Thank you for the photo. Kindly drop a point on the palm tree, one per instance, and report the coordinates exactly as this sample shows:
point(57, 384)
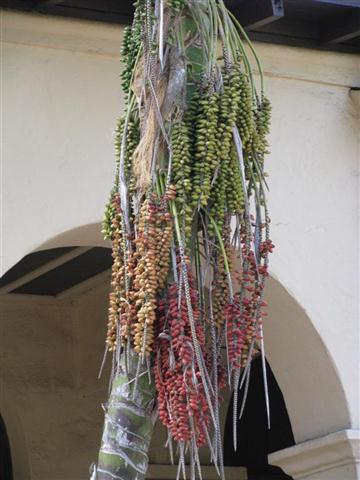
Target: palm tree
point(190, 156)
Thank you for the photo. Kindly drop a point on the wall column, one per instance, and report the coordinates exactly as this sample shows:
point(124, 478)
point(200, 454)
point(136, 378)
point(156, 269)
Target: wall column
point(333, 457)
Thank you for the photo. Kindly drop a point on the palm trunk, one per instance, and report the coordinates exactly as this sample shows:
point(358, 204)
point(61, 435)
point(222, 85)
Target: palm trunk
point(130, 416)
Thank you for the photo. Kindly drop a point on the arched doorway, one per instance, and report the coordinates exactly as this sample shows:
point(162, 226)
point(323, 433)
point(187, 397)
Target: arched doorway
point(257, 435)
point(6, 471)
point(298, 357)
point(53, 323)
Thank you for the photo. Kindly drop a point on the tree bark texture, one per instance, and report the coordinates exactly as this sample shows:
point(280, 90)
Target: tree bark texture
point(130, 417)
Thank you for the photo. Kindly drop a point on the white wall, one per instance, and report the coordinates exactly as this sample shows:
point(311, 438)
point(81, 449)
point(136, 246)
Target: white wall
point(314, 169)
point(61, 96)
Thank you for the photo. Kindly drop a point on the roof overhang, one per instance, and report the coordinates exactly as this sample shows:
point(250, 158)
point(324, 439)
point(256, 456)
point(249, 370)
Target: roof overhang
point(317, 24)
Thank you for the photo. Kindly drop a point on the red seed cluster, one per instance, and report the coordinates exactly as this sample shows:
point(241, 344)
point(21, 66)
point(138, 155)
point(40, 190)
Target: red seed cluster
point(244, 313)
point(183, 408)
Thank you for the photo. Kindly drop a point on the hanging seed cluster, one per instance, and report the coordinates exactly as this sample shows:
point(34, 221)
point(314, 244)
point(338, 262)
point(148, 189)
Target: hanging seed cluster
point(220, 284)
point(205, 149)
point(181, 163)
point(183, 408)
point(245, 119)
point(244, 315)
point(116, 273)
point(177, 294)
point(132, 140)
point(121, 312)
point(139, 273)
point(113, 204)
point(177, 5)
point(262, 124)
point(154, 235)
point(228, 195)
point(131, 46)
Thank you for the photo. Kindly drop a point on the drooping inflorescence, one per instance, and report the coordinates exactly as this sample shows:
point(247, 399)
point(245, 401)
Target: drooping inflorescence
point(187, 214)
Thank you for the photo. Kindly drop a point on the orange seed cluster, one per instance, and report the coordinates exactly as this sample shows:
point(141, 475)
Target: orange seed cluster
point(152, 243)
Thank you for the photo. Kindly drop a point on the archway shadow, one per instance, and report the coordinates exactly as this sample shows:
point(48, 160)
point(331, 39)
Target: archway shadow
point(6, 472)
point(257, 435)
point(15, 460)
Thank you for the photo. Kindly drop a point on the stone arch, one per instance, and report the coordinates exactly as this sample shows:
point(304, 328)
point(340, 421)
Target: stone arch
point(87, 234)
point(303, 367)
point(83, 235)
point(300, 360)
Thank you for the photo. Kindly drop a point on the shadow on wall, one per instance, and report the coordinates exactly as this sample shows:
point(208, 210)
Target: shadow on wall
point(14, 461)
point(5, 457)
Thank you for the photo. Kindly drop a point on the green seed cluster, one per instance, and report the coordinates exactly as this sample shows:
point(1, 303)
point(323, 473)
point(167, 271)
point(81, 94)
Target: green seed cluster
point(130, 47)
point(132, 140)
point(109, 214)
point(220, 286)
point(191, 115)
point(110, 210)
point(234, 189)
point(176, 5)
point(257, 147)
point(262, 123)
point(127, 59)
point(235, 192)
point(206, 149)
point(227, 194)
point(263, 117)
point(181, 163)
point(245, 121)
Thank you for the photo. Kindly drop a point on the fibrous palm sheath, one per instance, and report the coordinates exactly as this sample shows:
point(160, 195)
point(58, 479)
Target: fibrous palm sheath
point(189, 227)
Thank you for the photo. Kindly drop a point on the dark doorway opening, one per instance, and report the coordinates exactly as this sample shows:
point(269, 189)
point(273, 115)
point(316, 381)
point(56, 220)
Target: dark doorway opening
point(254, 440)
point(6, 472)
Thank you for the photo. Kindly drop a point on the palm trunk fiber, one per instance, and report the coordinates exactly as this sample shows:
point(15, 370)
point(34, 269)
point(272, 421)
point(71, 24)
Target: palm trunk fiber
point(130, 416)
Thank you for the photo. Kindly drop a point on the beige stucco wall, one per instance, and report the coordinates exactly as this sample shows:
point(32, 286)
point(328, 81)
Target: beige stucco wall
point(49, 366)
point(61, 95)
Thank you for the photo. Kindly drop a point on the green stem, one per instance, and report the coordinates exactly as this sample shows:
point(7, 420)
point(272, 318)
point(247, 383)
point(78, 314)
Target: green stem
point(241, 29)
point(236, 44)
point(223, 251)
point(198, 273)
point(176, 221)
point(129, 422)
